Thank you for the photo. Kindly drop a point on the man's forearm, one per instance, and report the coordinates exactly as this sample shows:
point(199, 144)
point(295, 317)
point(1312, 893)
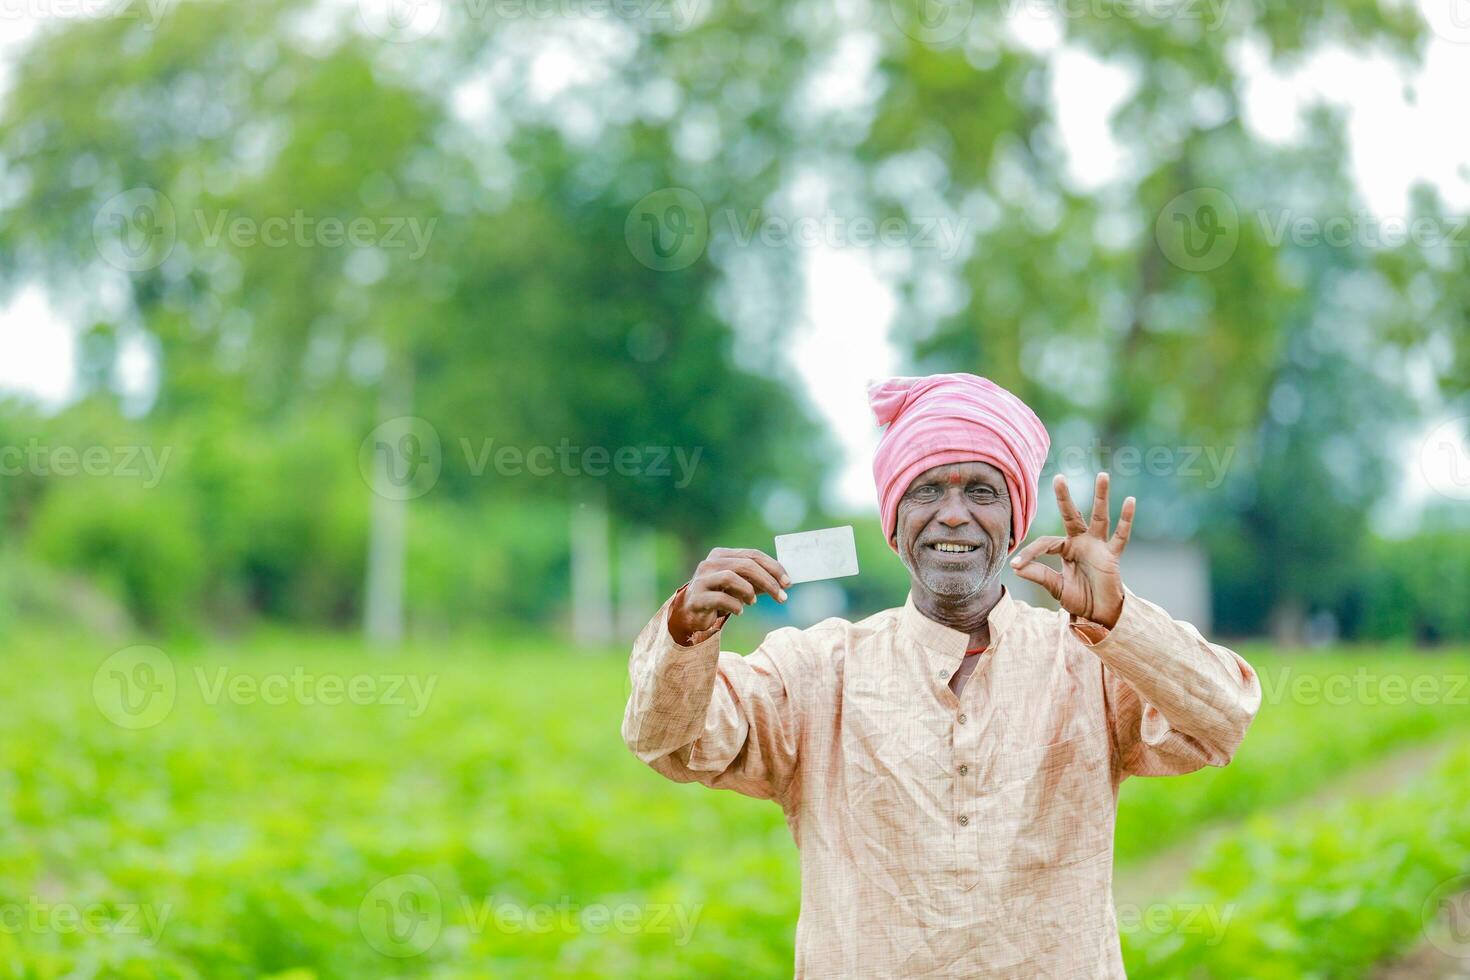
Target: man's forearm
point(1202, 690)
point(672, 686)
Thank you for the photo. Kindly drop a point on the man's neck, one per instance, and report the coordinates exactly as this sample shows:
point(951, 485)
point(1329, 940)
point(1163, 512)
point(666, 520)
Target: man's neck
point(970, 615)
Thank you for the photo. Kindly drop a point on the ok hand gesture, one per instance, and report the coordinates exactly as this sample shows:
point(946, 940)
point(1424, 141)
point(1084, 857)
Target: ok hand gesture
point(1088, 585)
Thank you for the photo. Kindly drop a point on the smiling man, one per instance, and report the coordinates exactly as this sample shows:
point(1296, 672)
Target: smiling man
point(950, 768)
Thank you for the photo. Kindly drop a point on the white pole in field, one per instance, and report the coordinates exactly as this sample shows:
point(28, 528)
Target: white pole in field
point(592, 612)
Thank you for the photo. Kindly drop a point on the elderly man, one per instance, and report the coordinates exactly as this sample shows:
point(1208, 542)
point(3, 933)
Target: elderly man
point(949, 769)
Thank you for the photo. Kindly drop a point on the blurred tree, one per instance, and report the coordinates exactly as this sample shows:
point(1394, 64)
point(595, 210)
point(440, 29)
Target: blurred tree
point(195, 187)
point(1175, 305)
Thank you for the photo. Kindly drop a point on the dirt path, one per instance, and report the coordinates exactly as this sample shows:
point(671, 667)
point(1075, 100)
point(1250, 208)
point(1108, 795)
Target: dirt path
point(1425, 962)
point(1166, 872)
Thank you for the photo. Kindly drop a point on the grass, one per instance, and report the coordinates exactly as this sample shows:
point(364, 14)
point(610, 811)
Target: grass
point(474, 813)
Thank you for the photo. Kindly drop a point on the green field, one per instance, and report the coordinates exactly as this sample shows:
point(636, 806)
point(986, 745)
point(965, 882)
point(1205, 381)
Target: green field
point(299, 807)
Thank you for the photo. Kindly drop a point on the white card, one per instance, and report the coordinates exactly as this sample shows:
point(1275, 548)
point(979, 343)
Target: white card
point(811, 555)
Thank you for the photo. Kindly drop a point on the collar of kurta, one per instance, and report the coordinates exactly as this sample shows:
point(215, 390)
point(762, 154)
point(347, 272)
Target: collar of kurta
point(952, 643)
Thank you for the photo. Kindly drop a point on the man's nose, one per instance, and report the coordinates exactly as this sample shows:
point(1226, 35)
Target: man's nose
point(952, 512)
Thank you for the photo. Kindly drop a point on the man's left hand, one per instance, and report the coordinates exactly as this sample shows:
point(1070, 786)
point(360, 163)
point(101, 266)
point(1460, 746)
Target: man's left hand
point(1088, 586)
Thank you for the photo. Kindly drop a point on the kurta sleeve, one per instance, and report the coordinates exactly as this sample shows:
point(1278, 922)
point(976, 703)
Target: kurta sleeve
point(697, 714)
point(1175, 702)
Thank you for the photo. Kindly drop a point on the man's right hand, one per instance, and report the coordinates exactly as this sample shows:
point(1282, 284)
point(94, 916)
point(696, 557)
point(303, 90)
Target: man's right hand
point(724, 584)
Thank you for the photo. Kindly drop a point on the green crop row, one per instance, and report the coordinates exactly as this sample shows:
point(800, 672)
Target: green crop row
point(243, 834)
point(1322, 716)
point(1329, 895)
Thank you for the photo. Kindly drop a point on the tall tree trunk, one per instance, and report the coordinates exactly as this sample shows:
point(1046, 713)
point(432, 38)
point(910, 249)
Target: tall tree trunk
point(592, 612)
point(387, 537)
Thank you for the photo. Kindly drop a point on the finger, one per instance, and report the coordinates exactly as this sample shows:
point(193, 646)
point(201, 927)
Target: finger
point(755, 573)
point(1071, 520)
point(1043, 575)
point(1100, 506)
point(773, 567)
point(706, 607)
point(1124, 528)
point(1047, 544)
point(732, 583)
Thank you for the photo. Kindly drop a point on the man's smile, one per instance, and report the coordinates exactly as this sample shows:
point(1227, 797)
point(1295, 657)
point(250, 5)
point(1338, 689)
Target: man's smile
point(952, 547)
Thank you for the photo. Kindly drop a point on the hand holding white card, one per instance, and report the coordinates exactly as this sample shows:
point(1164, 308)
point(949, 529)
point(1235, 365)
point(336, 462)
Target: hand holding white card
point(811, 555)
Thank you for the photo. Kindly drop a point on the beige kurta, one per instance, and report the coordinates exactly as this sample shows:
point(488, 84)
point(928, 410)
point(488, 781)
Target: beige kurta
point(939, 835)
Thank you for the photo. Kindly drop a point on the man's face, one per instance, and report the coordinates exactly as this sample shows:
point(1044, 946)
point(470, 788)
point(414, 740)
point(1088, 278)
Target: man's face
point(954, 529)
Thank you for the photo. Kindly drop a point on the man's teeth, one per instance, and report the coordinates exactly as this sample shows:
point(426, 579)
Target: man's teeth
point(958, 548)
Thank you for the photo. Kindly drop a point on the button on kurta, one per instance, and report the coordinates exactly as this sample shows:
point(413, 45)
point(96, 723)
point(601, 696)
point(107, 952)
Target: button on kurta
point(963, 718)
point(964, 770)
point(964, 820)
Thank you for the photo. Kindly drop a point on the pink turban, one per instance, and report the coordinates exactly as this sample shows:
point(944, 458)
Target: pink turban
point(955, 418)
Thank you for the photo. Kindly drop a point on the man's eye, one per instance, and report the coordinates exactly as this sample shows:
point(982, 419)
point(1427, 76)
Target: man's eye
point(983, 493)
point(928, 492)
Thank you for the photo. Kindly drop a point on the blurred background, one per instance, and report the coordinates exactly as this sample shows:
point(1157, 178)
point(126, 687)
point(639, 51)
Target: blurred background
point(370, 371)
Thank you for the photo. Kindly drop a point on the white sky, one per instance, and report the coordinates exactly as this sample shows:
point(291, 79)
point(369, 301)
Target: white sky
point(848, 309)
